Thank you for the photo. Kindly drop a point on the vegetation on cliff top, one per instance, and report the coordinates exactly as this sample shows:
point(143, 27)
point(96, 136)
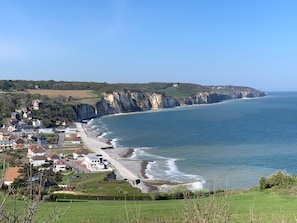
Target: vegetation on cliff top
point(58, 97)
point(99, 88)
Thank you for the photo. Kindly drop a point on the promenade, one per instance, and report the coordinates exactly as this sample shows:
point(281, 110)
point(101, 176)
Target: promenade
point(125, 169)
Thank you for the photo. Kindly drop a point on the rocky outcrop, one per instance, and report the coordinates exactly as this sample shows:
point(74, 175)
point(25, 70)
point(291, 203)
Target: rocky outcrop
point(132, 101)
point(84, 111)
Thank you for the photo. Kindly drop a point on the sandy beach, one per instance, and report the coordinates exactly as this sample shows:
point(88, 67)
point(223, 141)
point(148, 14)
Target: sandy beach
point(125, 168)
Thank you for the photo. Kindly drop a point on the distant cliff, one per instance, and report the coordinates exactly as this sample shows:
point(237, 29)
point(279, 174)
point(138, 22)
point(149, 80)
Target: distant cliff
point(124, 101)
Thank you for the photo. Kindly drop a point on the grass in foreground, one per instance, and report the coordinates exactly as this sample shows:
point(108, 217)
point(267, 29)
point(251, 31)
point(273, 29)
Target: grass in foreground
point(252, 206)
point(247, 206)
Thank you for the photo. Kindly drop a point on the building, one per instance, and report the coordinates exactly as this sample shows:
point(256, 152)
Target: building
point(15, 116)
point(37, 123)
point(28, 130)
point(37, 160)
point(19, 144)
point(59, 166)
point(42, 141)
point(96, 163)
point(71, 130)
point(37, 104)
point(11, 174)
point(80, 153)
point(53, 157)
point(34, 150)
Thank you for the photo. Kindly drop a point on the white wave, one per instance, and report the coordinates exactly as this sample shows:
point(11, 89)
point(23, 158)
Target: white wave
point(103, 135)
point(115, 142)
point(198, 185)
point(164, 168)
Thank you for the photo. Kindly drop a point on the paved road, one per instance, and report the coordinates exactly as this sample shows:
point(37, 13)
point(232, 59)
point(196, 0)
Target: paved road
point(61, 140)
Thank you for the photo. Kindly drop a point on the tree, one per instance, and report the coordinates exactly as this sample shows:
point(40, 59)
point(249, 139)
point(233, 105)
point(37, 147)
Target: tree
point(26, 206)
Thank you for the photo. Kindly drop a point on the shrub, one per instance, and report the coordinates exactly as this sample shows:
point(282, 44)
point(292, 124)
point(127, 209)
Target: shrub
point(279, 179)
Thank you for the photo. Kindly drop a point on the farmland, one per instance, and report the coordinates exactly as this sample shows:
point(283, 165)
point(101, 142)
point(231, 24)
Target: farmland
point(66, 93)
point(78, 96)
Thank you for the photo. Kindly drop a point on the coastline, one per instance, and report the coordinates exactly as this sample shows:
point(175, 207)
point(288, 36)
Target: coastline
point(125, 168)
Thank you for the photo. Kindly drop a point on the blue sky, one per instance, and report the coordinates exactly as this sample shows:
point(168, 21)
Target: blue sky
point(210, 42)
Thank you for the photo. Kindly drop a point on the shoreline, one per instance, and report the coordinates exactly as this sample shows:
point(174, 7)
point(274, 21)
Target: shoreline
point(125, 168)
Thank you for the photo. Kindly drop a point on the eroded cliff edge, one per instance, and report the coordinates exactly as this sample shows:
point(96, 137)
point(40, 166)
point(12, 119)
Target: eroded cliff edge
point(126, 100)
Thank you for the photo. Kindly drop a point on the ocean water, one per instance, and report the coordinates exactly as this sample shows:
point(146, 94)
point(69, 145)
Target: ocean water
point(228, 145)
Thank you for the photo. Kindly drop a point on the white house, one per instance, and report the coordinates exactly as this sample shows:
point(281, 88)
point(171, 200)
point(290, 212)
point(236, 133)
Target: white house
point(59, 166)
point(37, 123)
point(96, 162)
point(6, 144)
point(34, 150)
point(46, 130)
point(53, 157)
point(71, 130)
point(80, 153)
point(28, 131)
point(37, 104)
point(38, 160)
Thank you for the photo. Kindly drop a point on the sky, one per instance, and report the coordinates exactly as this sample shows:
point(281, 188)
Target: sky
point(210, 42)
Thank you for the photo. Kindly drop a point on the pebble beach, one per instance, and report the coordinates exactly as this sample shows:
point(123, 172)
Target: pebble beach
point(126, 169)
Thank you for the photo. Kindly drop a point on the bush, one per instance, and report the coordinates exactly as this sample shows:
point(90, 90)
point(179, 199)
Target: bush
point(279, 179)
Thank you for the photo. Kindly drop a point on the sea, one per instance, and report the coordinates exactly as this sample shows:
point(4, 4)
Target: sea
point(227, 145)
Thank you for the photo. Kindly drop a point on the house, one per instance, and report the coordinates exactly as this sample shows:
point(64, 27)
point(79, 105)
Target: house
point(80, 153)
point(6, 139)
point(42, 141)
point(60, 122)
point(37, 160)
point(59, 166)
point(27, 115)
point(37, 104)
point(71, 130)
point(19, 144)
point(6, 144)
point(96, 162)
point(75, 139)
point(34, 150)
point(28, 130)
point(46, 130)
point(53, 157)
point(4, 134)
point(11, 174)
point(60, 129)
point(15, 116)
point(37, 123)
point(11, 129)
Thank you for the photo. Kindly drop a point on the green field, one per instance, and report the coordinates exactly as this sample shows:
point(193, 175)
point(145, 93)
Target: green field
point(249, 206)
point(275, 202)
point(264, 206)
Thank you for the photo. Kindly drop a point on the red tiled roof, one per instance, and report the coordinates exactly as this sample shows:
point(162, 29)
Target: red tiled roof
point(36, 149)
point(38, 157)
point(19, 141)
point(12, 173)
point(81, 151)
point(53, 156)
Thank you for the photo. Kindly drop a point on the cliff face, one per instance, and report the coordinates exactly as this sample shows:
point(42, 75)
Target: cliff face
point(132, 101)
point(84, 111)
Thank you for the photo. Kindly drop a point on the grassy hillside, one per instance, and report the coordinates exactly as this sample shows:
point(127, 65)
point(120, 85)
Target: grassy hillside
point(245, 206)
point(96, 184)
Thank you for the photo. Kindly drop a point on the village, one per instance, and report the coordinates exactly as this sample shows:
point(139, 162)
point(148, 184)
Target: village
point(61, 146)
